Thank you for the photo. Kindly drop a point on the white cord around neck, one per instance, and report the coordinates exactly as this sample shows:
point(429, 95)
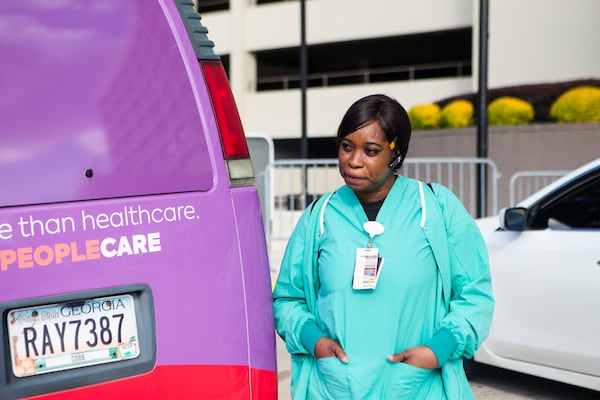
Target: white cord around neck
point(322, 214)
point(423, 207)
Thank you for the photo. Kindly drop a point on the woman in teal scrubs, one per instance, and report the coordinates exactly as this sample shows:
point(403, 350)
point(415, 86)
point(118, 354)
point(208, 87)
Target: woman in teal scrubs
point(384, 286)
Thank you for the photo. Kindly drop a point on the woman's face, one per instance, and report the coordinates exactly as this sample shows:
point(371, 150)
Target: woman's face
point(364, 158)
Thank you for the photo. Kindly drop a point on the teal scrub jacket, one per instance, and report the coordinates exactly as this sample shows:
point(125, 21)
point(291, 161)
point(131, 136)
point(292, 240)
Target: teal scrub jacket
point(463, 270)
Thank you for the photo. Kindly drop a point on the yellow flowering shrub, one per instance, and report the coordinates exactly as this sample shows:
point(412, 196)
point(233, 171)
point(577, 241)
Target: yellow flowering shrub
point(458, 114)
point(425, 116)
point(580, 104)
point(508, 110)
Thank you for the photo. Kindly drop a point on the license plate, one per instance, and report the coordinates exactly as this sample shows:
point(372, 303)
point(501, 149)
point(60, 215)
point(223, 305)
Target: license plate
point(58, 337)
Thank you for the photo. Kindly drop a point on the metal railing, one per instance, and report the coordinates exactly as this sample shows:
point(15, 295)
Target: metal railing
point(460, 175)
point(459, 68)
point(295, 183)
point(525, 183)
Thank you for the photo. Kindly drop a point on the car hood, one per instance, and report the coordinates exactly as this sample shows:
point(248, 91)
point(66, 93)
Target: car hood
point(488, 225)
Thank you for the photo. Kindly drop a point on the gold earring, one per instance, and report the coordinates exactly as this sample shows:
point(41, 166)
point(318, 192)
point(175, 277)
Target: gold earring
point(392, 145)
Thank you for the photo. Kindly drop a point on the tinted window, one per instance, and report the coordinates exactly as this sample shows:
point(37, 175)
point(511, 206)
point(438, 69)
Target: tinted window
point(100, 88)
point(578, 208)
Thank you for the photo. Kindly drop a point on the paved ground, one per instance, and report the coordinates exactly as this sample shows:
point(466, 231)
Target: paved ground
point(283, 371)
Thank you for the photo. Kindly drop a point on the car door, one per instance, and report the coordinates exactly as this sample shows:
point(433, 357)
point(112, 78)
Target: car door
point(547, 282)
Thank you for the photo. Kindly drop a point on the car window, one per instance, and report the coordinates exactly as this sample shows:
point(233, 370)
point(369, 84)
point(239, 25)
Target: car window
point(121, 120)
point(579, 208)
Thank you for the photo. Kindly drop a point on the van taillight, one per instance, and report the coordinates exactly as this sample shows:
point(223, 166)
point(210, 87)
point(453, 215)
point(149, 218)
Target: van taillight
point(233, 140)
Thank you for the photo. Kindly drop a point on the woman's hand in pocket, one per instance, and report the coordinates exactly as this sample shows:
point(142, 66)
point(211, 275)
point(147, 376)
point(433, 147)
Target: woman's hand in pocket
point(327, 347)
point(420, 356)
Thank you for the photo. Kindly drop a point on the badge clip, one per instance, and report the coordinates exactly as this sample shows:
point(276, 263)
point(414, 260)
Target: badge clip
point(373, 228)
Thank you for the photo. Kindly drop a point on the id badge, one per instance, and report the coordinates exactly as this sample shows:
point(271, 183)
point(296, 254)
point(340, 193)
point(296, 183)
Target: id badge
point(366, 268)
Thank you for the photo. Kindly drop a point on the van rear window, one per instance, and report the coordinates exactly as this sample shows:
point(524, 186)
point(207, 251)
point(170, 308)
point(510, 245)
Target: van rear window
point(96, 103)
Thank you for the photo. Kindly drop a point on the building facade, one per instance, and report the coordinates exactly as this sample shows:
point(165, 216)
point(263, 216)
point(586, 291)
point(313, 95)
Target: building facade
point(418, 52)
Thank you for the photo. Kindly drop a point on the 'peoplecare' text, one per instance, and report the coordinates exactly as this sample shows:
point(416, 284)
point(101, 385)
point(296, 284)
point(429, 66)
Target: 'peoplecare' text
point(91, 249)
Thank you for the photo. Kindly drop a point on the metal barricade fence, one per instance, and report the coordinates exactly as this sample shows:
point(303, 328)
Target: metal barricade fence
point(460, 175)
point(295, 183)
point(525, 183)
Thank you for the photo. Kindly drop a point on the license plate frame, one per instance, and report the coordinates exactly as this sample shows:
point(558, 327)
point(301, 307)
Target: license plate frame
point(65, 336)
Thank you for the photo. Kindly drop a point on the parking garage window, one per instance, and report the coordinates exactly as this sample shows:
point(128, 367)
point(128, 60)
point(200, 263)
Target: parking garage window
point(423, 56)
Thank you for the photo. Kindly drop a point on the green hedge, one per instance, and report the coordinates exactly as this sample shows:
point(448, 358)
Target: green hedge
point(425, 116)
point(574, 101)
point(540, 96)
point(580, 104)
point(458, 114)
point(508, 110)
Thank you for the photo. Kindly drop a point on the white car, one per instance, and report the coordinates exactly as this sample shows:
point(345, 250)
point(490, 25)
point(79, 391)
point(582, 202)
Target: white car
point(545, 264)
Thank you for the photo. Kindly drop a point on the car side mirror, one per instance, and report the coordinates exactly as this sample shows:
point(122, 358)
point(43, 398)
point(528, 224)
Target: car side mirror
point(514, 219)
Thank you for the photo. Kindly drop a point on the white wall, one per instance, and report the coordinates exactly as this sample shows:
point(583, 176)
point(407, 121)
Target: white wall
point(538, 41)
point(277, 113)
point(277, 25)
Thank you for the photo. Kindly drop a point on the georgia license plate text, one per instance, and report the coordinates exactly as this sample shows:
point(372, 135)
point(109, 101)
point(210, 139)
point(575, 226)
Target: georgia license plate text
point(64, 336)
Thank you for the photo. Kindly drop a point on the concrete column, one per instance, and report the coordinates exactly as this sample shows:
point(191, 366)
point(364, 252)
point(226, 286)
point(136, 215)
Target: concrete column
point(242, 64)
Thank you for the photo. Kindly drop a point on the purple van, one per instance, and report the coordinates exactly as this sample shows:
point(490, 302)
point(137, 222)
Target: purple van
point(133, 260)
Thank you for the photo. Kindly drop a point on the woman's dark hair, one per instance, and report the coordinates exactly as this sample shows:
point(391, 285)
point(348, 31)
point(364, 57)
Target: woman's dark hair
point(392, 118)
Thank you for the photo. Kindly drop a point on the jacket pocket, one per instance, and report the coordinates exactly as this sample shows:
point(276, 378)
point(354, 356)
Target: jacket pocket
point(334, 374)
point(405, 381)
